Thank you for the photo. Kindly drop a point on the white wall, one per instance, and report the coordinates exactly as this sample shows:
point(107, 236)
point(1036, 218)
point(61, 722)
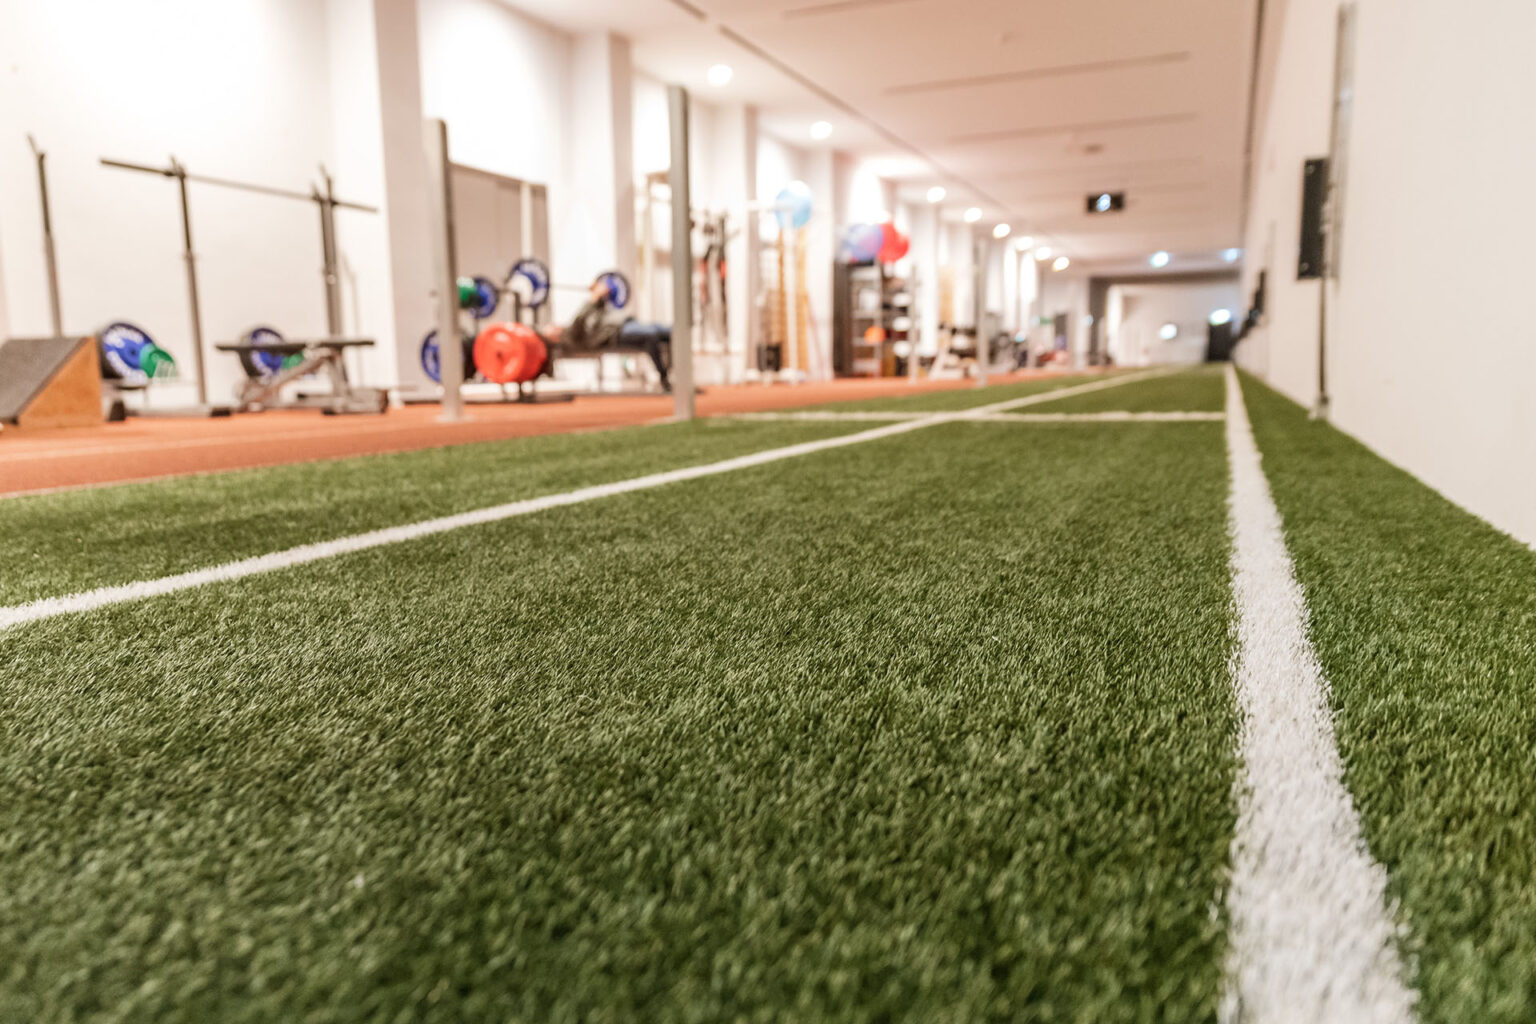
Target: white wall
point(1431, 359)
point(498, 78)
point(236, 89)
point(1133, 339)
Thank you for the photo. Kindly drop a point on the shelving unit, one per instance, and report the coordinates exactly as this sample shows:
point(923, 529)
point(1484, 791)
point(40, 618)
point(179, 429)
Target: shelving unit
point(865, 296)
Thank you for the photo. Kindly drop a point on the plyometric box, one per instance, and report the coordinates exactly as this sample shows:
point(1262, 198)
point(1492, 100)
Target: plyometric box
point(50, 382)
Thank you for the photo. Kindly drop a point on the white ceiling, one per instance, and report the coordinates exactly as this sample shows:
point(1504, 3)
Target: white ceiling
point(1023, 107)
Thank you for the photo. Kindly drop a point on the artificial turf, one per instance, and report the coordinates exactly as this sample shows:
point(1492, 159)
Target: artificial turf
point(1424, 620)
point(962, 397)
point(71, 540)
point(1201, 389)
point(936, 728)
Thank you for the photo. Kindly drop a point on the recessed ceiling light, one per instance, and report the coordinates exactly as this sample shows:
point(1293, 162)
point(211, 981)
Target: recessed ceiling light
point(1168, 332)
point(1221, 316)
point(821, 129)
point(1001, 231)
point(1159, 259)
point(1232, 255)
point(937, 194)
point(1062, 263)
point(973, 215)
point(1043, 253)
point(1023, 242)
point(720, 75)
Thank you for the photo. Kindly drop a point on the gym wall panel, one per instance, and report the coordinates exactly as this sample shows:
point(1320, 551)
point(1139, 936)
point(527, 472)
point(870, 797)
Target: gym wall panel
point(237, 89)
point(1430, 354)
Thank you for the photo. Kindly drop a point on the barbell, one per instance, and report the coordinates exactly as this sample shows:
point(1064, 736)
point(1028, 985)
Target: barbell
point(529, 279)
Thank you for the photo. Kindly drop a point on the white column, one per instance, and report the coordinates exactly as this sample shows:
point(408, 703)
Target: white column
point(925, 242)
point(820, 251)
point(736, 184)
point(596, 220)
point(378, 158)
point(1010, 257)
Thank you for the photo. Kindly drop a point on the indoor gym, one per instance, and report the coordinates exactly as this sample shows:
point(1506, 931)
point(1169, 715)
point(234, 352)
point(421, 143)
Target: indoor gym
point(937, 512)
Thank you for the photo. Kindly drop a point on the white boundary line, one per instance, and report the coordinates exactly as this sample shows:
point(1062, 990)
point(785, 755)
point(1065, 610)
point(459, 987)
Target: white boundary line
point(46, 608)
point(1311, 938)
point(1000, 417)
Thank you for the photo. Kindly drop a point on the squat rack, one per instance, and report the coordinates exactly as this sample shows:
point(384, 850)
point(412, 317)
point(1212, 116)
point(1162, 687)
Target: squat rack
point(326, 201)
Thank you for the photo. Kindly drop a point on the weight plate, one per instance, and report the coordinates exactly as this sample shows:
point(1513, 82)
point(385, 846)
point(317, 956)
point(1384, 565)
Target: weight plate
point(432, 359)
point(122, 349)
point(617, 286)
point(529, 279)
point(487, 298)
point(261, 364)
point(156, 362)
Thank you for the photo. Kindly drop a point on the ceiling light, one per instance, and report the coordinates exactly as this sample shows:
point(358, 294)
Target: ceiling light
point(1001, 231)
point(973, 215)
point(1159, 259)
point(1043, 253)
point(1023, 242)
point(821, 129)
point(936, 194)
point(1168, 332)
point(1232, 255)
point(720, 75)
point(1062, 263)
point(1220, 316)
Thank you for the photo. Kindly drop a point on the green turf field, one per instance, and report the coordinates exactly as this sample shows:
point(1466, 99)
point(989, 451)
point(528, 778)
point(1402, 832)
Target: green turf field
point(939, 726)
point(961, 397)
point(1198, 390)
point(1424, 618)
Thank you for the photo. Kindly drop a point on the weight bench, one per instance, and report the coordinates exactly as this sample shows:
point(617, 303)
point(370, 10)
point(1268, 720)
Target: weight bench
point(257, 393)
point(559, 350)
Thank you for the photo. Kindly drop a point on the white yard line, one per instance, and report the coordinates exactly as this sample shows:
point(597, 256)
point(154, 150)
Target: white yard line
point(1311, 936)
point(819, 415)
point(101, 597)
point(999, 417)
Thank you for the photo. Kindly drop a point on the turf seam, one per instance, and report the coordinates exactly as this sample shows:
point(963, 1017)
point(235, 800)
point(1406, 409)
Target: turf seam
point(1311, 936)
point(83, 601)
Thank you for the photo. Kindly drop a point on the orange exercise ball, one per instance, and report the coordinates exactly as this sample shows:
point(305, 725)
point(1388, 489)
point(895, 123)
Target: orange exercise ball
point(509, 353)
point(874, 335)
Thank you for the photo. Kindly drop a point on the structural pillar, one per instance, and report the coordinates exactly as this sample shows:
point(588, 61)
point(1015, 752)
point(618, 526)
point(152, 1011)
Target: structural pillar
point(682, 257)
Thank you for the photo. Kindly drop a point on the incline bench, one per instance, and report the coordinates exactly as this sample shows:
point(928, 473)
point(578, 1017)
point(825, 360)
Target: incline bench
point(321, 353)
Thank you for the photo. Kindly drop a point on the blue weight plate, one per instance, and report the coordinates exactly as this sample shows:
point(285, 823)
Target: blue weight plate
point(122, 347)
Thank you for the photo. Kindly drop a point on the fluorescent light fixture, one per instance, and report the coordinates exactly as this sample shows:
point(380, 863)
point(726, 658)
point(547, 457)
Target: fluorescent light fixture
point(821, 129)
point(973, 215)
point(937, 194)
point(1043, 253)
point(1159, 259)
point(1062, 263)
point(1220, 316)
point(720, 75)
point(1232, 255)
point(1001, 231)
point(1168, 332)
